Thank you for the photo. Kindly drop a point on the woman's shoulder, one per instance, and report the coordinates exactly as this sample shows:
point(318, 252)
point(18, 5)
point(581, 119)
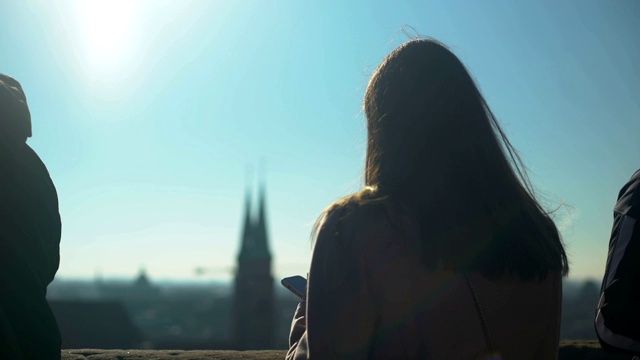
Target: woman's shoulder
point(363, 217)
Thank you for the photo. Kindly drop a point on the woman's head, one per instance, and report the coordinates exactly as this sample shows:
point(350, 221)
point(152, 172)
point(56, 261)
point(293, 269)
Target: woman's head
point(434, 144)
point(427, 122)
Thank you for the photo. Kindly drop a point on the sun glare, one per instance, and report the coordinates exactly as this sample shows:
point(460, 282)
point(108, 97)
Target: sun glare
point(108, 32)
point(114, 44)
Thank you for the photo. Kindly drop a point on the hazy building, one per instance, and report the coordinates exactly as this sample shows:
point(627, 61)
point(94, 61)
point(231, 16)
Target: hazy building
point(95, 324)
point(253, 301)
point(142, 289)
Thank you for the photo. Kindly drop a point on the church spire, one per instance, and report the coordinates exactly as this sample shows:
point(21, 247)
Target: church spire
point(247, 241)
point(247, 228)
point(262, 238)
point(255, 239)
point(261, 234)
point(253, 322)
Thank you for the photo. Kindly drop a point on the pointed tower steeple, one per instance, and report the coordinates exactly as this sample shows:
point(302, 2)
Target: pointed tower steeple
point(253, 321)
point(247, 240)
point(255, 238)
point(261, 233)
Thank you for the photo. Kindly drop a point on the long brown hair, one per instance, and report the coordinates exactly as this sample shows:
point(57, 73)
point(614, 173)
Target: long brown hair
point(435, 146)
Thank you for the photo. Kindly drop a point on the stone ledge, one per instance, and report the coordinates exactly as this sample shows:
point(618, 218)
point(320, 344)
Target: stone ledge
point(97, 354)
point(586, 350)
point(569, 350)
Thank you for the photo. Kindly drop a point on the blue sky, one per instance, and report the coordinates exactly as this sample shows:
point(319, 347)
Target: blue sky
point(148, 113)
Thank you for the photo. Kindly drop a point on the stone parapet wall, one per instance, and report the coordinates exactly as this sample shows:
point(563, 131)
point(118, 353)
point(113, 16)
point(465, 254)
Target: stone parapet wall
point(569, 350)
point(97, 354)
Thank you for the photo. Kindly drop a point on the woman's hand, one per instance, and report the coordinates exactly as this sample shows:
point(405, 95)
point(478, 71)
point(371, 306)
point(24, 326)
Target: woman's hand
point(299, 322)
point(298, 330)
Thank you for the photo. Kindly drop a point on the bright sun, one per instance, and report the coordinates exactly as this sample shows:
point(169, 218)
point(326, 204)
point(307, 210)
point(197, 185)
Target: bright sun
point(108, 31)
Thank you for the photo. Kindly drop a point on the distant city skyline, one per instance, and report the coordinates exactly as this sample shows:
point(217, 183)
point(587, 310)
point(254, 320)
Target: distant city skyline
point(147, 112)
point(154, 309)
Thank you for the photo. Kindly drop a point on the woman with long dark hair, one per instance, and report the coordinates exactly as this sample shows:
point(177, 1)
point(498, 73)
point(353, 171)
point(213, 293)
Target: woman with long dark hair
point(445, 253)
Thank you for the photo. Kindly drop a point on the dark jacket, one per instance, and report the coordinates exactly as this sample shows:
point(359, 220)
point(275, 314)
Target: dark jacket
point(618, 312)
point(29, 255)
point(30, 231)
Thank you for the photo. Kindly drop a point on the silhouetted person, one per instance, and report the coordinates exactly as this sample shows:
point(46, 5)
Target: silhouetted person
point(445, 253)
point(618, 312)
point(29, 236)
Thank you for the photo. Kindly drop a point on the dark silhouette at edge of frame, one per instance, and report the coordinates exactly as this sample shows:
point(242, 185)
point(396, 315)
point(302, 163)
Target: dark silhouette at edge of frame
point(617, 321)
point(30, 230)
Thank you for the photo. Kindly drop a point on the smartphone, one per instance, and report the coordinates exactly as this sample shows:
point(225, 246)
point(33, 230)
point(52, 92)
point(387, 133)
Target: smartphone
point(296, 284)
